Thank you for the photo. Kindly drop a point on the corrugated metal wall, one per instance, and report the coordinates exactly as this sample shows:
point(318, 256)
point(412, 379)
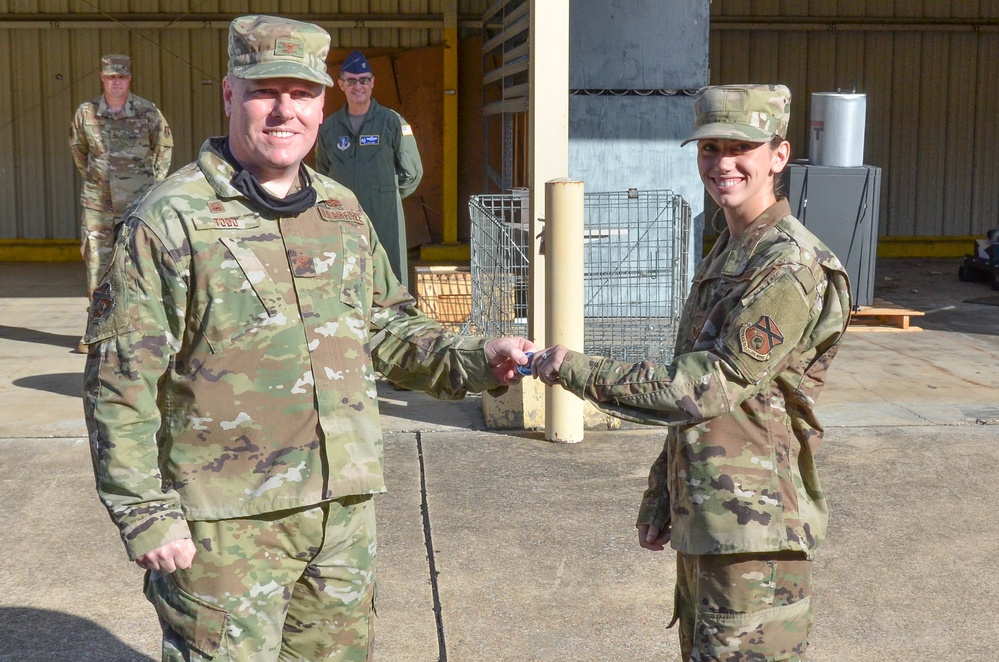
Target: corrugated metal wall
point(49, 63)
point(928, 68)
point(929, 71)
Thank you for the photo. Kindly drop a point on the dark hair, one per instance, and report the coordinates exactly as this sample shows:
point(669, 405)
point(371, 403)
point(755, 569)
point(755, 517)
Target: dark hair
point(779, 184)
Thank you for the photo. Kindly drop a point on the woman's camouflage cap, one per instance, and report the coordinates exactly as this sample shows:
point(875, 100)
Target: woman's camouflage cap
point(756, 113)
point(275, 47)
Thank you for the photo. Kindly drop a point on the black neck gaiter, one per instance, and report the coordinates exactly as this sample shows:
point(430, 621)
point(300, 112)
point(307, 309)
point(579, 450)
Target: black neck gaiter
point(247, 184)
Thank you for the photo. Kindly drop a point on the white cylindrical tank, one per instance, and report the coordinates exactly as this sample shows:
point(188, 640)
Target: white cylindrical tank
point(836, 129)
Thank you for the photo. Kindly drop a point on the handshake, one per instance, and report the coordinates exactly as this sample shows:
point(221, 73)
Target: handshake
point(506, 354)
point(546, 366)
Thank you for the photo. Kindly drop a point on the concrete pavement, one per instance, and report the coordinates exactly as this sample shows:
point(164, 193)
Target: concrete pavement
point(501, 546)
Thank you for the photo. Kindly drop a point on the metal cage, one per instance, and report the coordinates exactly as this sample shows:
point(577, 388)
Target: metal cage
point(636, 249)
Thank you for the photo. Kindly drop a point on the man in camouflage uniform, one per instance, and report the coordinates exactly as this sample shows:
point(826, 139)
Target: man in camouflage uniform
point(736, 490)
point(230, 388)
point(121, 146)
point(371, 150)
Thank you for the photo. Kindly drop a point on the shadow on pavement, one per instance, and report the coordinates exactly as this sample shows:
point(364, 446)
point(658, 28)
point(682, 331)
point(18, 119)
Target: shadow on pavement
point(62, 383)
point(42, 635)
point(24, 334)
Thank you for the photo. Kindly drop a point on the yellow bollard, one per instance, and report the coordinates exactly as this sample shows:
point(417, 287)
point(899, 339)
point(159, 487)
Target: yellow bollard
point(564, 298)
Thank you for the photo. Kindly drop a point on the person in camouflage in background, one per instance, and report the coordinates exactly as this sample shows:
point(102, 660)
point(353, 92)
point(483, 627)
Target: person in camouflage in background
point(230, 389)
point(121, 145)
point(736, 490)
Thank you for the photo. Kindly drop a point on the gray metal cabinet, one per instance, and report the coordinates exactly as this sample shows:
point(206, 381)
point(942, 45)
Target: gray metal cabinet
point(841, 207)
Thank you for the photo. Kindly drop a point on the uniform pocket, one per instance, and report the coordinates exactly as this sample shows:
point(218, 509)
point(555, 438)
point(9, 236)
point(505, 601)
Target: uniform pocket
point(202, 625)
point(243, 296)
point(769, 634)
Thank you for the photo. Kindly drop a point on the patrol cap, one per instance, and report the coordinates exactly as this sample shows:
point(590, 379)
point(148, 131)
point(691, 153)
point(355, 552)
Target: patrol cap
point(756, 113)
point(355, 63)
point(275, 47)
point(116, 65)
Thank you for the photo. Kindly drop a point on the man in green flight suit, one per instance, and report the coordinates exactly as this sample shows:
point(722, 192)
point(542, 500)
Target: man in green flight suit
point(371, 150)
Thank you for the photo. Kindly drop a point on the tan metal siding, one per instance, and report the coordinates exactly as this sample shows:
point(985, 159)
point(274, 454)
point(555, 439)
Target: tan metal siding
point(928, 69)
point(48, 68)
point(8, 156)
point(28, 134)
point(985, 148)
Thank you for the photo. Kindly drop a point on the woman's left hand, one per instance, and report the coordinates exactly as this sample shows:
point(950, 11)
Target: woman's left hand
point(547, 364)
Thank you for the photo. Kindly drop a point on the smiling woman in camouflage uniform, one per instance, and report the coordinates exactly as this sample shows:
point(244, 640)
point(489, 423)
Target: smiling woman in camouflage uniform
point(736, 490)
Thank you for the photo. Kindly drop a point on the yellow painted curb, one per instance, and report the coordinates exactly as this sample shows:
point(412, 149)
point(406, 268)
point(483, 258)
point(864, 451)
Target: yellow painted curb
point(445, 253)
point(957, 246)
point(40, 250)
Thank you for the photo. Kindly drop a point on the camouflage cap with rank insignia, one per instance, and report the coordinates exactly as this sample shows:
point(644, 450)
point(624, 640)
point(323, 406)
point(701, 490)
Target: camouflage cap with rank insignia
point(757, 113)
point(275, 47)
point(116, 65)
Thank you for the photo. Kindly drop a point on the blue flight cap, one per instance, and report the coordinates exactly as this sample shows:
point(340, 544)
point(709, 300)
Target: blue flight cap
point(355, 63)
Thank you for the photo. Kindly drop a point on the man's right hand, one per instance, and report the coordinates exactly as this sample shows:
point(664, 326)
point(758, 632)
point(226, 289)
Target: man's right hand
point(650, 537)
point(169, 557)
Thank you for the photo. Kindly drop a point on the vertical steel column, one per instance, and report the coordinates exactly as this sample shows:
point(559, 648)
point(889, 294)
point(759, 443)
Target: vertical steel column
point(548, 132)
point(564, 297)
point(450, 165)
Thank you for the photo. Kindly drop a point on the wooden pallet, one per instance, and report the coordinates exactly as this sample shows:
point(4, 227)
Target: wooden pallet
point(883, 317)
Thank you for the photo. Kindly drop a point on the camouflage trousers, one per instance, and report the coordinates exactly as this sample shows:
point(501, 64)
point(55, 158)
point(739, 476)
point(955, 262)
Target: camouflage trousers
point(293, 585)
point(743, 607)
point(96, 244)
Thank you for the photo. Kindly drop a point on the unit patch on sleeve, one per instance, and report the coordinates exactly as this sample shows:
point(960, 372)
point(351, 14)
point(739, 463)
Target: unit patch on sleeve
point(759, 339)
point(368, 140)
point(102, 303)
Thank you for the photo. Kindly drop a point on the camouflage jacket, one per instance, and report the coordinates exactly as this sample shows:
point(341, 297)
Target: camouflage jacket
point(233, 365)
point(119, 155)
point(758, 331)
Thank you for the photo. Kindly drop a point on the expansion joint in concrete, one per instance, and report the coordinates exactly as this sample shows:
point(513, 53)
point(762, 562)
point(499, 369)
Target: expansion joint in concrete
point(431, 560)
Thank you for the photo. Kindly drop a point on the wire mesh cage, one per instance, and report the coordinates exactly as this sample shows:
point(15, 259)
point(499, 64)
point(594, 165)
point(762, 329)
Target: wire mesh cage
point(500, 246)
point(635, 274)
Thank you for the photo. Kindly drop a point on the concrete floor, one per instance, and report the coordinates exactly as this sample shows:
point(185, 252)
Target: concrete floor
point(501, 546)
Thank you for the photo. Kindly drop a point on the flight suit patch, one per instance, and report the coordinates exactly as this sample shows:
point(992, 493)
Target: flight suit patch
point(368, 140)
point(343, 144)
point(759, 339)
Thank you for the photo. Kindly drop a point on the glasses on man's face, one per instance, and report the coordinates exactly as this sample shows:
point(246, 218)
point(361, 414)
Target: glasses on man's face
point(363, 80)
